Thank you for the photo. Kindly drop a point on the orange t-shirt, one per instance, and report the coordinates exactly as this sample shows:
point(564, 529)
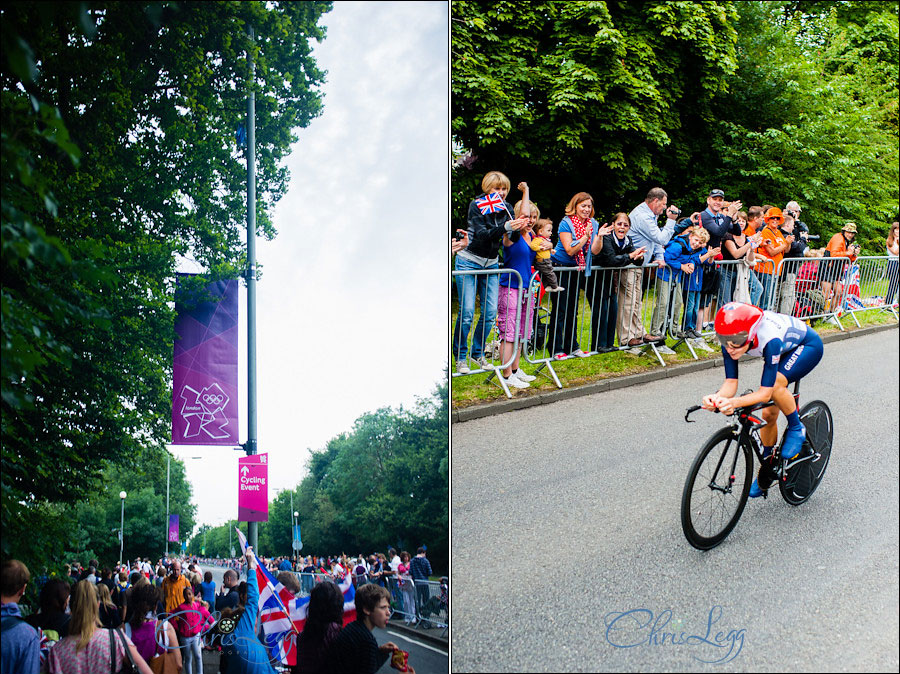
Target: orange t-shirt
point(769, 263)
point(838, 247)
point(749, 230)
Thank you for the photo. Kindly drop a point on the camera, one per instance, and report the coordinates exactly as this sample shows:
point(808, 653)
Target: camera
point(458, 235)
point(676, 209)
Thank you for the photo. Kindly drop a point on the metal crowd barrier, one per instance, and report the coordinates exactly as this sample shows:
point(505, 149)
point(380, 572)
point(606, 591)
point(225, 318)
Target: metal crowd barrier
point(586, 318)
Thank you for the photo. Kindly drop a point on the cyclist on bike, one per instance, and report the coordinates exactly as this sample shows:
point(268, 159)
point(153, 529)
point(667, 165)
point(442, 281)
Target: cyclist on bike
point(790, 350)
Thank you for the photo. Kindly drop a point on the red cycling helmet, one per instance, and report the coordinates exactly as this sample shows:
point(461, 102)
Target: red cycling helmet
point(736, 323)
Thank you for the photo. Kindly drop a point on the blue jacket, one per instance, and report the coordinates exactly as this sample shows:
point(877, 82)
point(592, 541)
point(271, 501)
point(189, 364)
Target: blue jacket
point(248, 655)
point(679, 252)
point(20, 650)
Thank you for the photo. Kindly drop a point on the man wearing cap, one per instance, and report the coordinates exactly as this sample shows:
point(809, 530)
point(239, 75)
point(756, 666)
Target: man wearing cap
point(718, 221)
point(772, 248)
point(841, 245)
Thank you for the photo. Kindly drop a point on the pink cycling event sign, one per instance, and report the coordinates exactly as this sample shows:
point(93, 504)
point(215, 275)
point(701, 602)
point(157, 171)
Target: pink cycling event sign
point(253, 488)
point(205, 365)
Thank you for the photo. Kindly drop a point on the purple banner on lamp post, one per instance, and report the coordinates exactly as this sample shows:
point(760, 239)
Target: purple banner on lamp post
point(205, 367)
point(173, 528)
point(253, 488)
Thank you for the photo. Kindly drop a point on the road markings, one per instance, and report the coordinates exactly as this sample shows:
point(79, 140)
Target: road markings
point(417, 643)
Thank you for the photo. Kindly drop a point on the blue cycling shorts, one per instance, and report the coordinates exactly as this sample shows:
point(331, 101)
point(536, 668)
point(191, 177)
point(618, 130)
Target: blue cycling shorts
point(796, 364)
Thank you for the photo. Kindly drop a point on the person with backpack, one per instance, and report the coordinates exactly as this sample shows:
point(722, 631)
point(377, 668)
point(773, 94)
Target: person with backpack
point(20, 649)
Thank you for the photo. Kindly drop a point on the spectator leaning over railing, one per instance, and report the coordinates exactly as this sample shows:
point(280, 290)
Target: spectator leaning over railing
point(617, 251)
point(841, 245)
point(772, 247)
point(578, 232)
point(686, 254)
point(489, 218)
point(893, 251)
point(645, 233)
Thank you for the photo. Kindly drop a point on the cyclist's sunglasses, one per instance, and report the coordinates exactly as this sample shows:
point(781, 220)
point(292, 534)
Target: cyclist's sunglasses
point(735, 341)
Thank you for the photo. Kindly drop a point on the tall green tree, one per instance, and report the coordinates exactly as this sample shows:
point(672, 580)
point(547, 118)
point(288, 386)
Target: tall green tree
point(770, 101)
point(119, 156)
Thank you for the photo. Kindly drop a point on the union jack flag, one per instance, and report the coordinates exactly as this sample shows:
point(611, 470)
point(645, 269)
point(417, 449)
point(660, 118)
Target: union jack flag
point(852, 299)
point(283, 615)
point(490, 203)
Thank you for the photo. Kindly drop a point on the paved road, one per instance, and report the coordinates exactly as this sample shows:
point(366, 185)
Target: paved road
point(567, 514)
point(425, 657)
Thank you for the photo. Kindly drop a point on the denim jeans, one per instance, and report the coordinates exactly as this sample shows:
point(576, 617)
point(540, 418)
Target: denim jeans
point(726, 283)
point(485, 287)
point(191, 654)
point(756, 288)
point(767, 299)
point(690, 309)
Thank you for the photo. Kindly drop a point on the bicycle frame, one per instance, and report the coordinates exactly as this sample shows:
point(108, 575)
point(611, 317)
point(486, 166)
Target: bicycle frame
point(746, 427)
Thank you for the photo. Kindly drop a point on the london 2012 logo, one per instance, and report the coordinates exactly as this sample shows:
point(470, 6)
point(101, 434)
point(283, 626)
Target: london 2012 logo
point(204, 411)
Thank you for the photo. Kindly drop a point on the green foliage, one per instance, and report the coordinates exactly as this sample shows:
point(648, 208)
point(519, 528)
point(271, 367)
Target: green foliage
point(770, 101)
point(583, 94)
point(118, 155)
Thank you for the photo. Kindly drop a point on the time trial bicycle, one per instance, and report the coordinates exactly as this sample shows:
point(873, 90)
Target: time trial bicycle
point(718, 484)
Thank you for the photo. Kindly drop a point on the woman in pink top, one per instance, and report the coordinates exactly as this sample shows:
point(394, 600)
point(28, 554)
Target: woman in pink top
point(191, 618)
point(407, 588)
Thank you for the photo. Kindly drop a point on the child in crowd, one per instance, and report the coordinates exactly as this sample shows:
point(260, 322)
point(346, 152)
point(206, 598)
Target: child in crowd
point(543, 230)
point(685, 254)
point(489, 220)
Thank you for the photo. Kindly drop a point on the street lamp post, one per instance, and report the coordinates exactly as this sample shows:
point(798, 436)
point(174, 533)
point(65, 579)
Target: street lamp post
point(122, 496)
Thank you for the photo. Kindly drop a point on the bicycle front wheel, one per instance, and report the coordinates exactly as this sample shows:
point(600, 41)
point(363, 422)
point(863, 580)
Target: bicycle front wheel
point(802, 479)
point(716, 490)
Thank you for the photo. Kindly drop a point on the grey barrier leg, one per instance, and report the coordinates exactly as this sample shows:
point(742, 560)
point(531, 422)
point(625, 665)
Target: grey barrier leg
point(546, 363)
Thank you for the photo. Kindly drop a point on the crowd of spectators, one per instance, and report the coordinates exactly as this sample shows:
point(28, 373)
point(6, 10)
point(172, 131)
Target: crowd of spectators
point(695, 264)
point(91, 622)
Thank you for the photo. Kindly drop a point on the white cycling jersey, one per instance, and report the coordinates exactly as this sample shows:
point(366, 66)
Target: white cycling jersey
point(777, 334)
point(773, 325)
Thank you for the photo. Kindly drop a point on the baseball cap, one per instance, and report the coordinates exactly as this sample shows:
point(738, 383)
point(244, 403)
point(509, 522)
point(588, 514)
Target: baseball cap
point(717, 193)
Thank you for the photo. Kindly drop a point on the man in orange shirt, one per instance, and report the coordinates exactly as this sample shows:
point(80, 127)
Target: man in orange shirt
point(754, 220)
point(773, 246)
point(841, 245)
point(173, 587)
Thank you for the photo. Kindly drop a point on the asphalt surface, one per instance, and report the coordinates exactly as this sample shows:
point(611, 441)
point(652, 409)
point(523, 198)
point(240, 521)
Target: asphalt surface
point(566, 526)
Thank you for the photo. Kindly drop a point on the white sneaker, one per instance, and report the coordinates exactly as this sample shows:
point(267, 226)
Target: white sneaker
point(701, 344)
point(579, 353)
point(462, 367)
point(635, 351)
point(484, 363)
point(665, 350)
point(521, 376)
point(515, 383)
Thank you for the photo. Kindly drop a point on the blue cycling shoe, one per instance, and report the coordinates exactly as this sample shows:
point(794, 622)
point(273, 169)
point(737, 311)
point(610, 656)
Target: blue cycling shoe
point(793, 442)
point(755, 491)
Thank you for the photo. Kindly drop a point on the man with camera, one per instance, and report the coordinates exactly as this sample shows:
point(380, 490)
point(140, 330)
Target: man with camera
point(793, 209)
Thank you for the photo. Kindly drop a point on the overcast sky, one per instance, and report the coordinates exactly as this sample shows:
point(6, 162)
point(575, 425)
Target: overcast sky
point(352, 306)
